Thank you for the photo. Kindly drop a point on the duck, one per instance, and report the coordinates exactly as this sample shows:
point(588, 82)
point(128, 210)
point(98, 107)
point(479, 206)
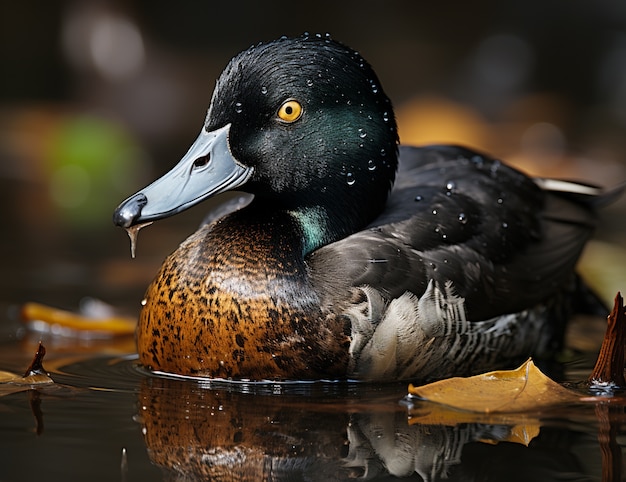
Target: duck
point(351, 257)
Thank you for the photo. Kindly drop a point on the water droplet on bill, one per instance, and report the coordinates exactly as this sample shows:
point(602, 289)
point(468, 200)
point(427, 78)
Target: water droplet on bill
point(133, 232)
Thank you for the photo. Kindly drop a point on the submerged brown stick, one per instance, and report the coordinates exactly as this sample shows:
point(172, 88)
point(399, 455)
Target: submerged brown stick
point(608, 421)
point(609, 367)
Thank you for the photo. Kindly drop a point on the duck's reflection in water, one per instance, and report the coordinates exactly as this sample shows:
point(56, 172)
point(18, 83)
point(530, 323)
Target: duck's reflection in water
point(330, 432)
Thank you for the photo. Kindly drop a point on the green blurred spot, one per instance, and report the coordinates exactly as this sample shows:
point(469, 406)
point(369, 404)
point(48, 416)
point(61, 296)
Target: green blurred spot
point(93, 164)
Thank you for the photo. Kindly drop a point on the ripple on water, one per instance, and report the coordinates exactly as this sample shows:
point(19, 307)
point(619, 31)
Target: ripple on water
point(125, 374)
point(110, 373)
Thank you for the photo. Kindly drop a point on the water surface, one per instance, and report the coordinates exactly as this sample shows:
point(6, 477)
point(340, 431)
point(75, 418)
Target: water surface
point(106, 418)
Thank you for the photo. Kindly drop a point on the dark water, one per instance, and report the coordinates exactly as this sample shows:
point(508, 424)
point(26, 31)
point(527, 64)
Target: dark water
point(107, 419)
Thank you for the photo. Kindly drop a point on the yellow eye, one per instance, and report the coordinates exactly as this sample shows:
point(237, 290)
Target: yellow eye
point(290, 111)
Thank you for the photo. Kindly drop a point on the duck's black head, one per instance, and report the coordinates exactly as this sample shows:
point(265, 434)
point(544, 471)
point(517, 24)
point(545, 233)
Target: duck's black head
point(303, 124)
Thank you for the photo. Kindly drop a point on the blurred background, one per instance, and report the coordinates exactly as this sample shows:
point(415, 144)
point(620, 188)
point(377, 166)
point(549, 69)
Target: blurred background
point(99, 97)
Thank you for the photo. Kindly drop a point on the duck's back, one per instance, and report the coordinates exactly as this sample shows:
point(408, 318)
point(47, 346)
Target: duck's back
point(467, 247)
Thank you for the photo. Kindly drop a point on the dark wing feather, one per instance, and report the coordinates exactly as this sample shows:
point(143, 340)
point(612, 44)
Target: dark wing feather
point(457, 215)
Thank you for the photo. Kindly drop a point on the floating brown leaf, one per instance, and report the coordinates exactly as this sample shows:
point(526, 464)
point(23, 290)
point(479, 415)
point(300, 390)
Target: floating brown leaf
point(523, 389)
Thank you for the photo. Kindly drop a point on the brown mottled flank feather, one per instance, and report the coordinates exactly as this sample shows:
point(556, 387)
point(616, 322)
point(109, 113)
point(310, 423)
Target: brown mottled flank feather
point(242, 321)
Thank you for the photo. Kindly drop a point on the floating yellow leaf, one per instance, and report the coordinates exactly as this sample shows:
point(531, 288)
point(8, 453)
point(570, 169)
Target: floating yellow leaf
point(19, 380)
point(8, 376)
point(523, 389)
point(112, 326)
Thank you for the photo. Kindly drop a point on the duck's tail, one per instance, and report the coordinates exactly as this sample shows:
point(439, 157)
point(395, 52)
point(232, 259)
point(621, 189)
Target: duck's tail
point(585, 300)
point(581, 192)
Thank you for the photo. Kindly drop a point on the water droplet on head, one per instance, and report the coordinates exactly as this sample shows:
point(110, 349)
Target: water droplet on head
point(478, 161)
point(418, 198)
point(505, 225)
point(450, 187)
point(434, 211)
point(350, 179)
point(383, 152)
point(238, 107)
point(309, 82)
point(500, 200)
point(263, 90)
point(462, 218)
point(371, 165)
point(362, 134)
point(439, 231)
point(386, 116)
